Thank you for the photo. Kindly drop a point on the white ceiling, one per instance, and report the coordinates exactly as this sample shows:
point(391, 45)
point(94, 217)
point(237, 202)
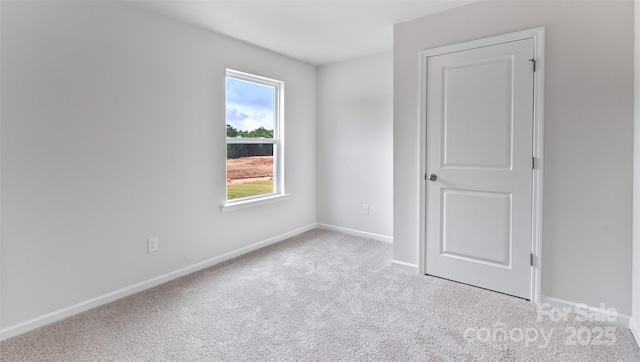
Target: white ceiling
point(314, 31)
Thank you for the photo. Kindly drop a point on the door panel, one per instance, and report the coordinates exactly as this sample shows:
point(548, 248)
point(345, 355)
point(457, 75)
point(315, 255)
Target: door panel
point(467, 142)
point(479, 144)
point(486, 216)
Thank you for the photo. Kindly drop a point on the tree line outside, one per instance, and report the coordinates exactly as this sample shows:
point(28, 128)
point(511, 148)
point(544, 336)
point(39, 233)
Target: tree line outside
point(238, 150)
point(260, 132)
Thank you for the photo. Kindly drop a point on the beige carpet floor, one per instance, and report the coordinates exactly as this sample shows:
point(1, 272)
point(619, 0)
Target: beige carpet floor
point(320, 296)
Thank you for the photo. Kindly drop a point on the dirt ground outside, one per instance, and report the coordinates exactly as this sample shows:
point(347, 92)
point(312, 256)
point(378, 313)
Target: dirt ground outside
point(247, 169)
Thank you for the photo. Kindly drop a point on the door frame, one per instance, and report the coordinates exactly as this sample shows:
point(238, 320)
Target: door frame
point(538, 35)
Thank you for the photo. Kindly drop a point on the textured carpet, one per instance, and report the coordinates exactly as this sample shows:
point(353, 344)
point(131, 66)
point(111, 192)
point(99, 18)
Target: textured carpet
point(319, 296)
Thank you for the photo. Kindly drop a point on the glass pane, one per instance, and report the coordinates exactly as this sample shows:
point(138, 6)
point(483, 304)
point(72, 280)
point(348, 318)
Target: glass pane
point(250, 109)
point(249, 170)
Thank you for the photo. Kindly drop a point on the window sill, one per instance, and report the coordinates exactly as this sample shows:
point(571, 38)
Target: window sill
point(237, 205)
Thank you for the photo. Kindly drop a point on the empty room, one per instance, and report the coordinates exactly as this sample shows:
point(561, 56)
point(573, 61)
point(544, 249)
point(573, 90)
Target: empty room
point(320, 180)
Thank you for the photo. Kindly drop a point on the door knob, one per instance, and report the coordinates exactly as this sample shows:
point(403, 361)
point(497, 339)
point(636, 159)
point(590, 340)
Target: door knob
point(433, 177)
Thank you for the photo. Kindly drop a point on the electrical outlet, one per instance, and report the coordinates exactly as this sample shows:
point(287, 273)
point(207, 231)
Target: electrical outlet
point(365, 209)
point(152, 244)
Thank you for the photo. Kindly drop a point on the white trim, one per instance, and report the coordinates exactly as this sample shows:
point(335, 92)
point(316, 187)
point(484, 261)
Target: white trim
point(538, 153)
point(635, 330)
point(247, 202)
point(538, 36)
point(621, 320)
point(252, 78)
point(401, 265)
point(364, 234)
point(57, 315)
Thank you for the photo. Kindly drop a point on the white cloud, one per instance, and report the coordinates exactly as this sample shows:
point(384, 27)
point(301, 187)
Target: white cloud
point(252, 117)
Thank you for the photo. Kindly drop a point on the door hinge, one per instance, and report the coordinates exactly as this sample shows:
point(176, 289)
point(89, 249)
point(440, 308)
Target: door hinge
point(534, 64)
point(531, 259)
point(533, 163)
point(425, 176)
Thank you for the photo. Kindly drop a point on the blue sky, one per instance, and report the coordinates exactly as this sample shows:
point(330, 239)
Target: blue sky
point(249, 105)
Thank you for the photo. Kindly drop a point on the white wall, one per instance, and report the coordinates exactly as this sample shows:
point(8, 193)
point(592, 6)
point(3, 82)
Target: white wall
point(635, 323)
point(355, 144)
point(113, 130)
point(588, 136)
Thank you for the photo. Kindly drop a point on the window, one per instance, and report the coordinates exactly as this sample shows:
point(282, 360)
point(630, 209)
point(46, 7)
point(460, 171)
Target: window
point(254, 138)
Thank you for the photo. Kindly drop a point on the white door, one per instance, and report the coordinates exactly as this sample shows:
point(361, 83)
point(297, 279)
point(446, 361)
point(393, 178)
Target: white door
point(479, 161)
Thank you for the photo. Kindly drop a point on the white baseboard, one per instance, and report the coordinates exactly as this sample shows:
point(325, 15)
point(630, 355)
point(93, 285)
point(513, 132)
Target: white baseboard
point(401, 265)
point(364, 234)
point(635, 330)
point(616, 319)
point(57, 315)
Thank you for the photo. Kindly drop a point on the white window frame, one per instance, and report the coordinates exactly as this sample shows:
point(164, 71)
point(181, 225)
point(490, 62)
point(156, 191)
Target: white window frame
point(277, 142)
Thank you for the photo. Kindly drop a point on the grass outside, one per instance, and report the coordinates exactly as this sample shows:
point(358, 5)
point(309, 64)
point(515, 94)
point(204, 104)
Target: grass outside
point(248, 189)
